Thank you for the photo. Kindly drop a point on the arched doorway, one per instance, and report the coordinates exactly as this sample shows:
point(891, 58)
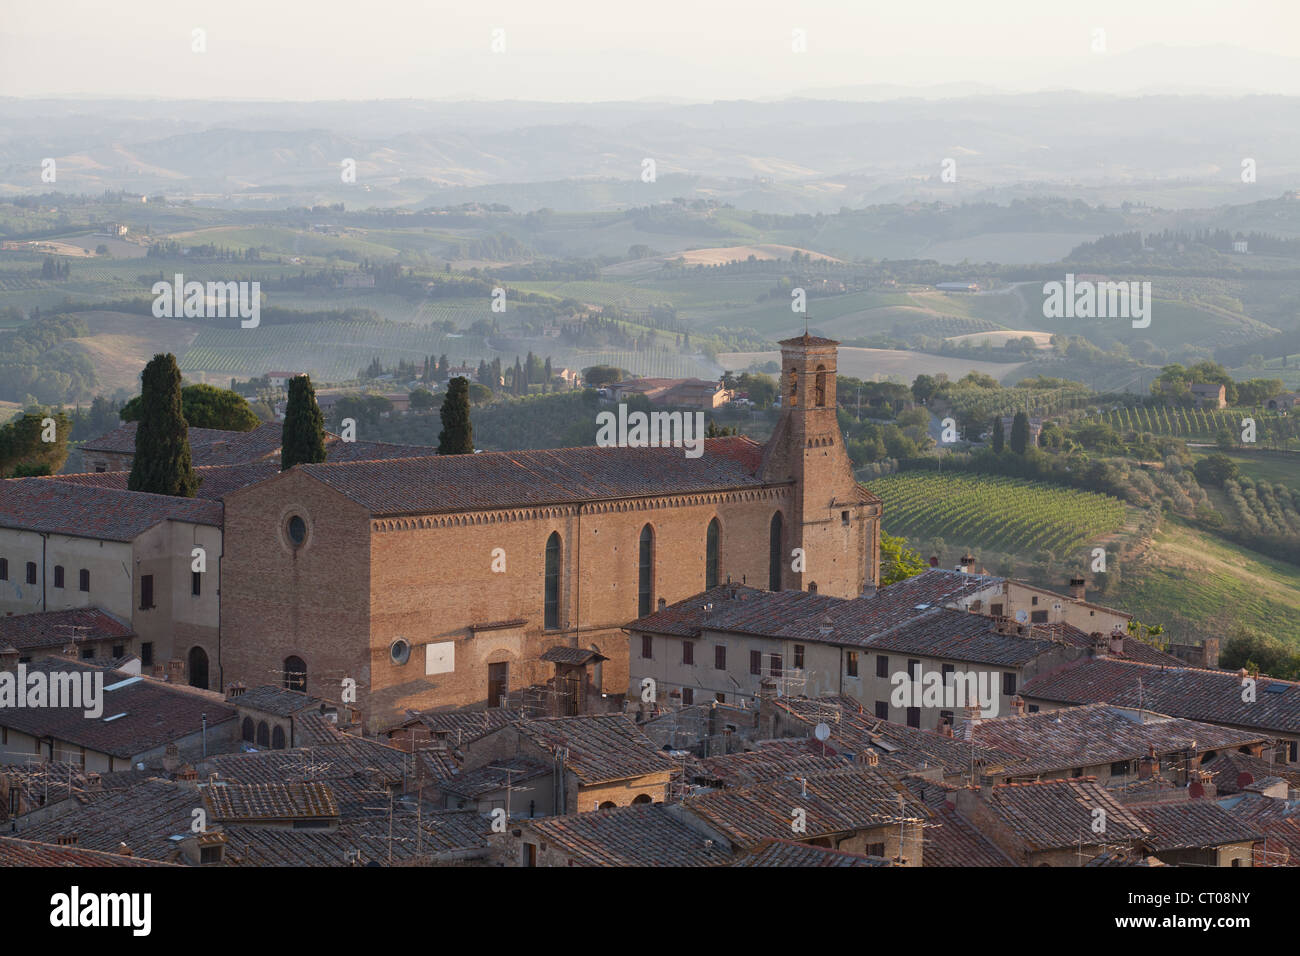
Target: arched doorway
point(198, 667)
point(295, 674)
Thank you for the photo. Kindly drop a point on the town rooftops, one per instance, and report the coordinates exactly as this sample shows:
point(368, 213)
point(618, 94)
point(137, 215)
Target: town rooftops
point(839, 801)
point(215, 481)
point(805, 616)
point(648, 834)
point(598, 747)
point(1189, 824)
point(1234, 771)
point(451, 483)
point(790, 853)
point(498, 775)
point(1056, 814)
point(139, 713)
point(459, 727)
point(86, 511)
point(1095, 734)
point(273, 699)
point(208, 446)
point(267, 802)
point(1189, 692)
point(16, 852)
point(772, 760)
point(58, 629)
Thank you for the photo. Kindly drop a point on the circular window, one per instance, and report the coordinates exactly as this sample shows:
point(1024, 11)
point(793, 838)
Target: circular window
point(297, 529)
point(400, 651)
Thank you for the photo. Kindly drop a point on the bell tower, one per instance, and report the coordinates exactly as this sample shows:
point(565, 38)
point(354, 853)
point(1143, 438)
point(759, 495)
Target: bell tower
point(834, 520)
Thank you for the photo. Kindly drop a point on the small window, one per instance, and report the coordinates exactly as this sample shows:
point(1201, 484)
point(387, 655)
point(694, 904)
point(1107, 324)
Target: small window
point(882, 710)
point(297, 530)
point(100, 469)
point(31, 572)
point(647, 647)
point(914, 716)
point(1033, 708)
point(119, 650)
point(1119, 768)
point(947, 670)
point(84, 580)
point(4, 569)
point(844, 518)
point(882, 665)
point(945, 717)
point(812, 587)
point(399, 652)
point(851, 663)
point(1037, 617)
point(146, 653)
point(775, 666)
point(720, 697)
point(995, 610)
point(875, 849)
point(146, 592)
point(720, 657)
point(688, 652)
point(688, 696)
point(913, 665)
point(196, 583)
point(87, 653)
point(1009, 683)
point(798, 656)
point(58, 575)
point(756, 662)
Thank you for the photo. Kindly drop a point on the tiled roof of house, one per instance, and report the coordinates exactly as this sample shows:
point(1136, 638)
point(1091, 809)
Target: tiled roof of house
point(836, 801)
point(336, 449)
point(1211, 696)
point(952, 841)
point(805, 616)
point(273, 699)
point(44, 783)
point(1055, 814)
point(1124, 857)
point(571, 655)
point(789, 853)
point(87, 511)
point(459, 727)
point(139, 713)
point(899, 747)
point(1191, 823)
point(440, 834)
point(145, 818)
point(1235, 771)
point(208, 446)
point(58, 629)
point(598, 747)
point(253, 802)
point(352, 758)
point(959, 636)
point(448, 483)
point(472, 784)
point(1095, 734)
point(312, 729)
point(647, 834)
point(770, 761)
point(16, 852)
point(215, 481)
point(436, 763)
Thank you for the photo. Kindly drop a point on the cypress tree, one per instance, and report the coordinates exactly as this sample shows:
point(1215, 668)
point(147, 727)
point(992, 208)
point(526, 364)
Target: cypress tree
point(1020, 433)
point(303, 438)
point(999, 439)
point(457, 435)
point(162, 464)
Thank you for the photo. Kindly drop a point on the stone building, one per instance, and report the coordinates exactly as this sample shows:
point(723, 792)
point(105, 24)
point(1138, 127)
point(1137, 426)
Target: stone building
point(441, 581)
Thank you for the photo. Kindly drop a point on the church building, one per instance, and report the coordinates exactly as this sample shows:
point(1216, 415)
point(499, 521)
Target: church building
point(469, 581)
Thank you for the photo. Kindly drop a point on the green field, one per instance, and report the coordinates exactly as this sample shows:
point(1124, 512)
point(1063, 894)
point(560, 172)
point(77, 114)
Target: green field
point(1196, 585)
point(995, 512)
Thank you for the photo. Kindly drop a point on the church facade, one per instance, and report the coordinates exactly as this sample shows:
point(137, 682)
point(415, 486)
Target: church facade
point(440, 582)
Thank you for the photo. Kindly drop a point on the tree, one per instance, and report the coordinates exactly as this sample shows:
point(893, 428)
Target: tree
point(999, 439)
point(720, 431)
point(24, 453)
point(1215, 469)
point(599, 375)
point(303, 439)
point(898, 562)
point(422, 400)
point(206, 406)
point(457, 435)
point(162, 464)
point(1020, 433)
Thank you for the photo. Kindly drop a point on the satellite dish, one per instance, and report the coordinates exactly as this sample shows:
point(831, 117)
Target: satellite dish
point(1022, 616)
point(822, 732)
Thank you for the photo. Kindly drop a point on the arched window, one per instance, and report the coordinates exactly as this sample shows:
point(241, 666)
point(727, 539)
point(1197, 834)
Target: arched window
point(645, 572)
point(794, 386)
point(248, 729)
point(198, 667)
point(277, 738)
point(821, 386)
point(295, 674)
point(774, 554)
point(552, 613)
point(263, 735)
point(712, 548)
point(641, 798)
point(608, 805)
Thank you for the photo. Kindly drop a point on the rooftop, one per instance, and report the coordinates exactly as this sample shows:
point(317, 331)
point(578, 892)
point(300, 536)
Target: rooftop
point(87, 511)
point(1056, 814)
point(598, 747)
point(649, 834)
point(208, 446)
point(56, 629)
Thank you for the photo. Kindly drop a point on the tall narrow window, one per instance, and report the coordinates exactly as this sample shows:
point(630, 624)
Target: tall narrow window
point(794, 387)
point(712, 547)
point(774, 554)
point(552, 615)
point(821, 386)
point(645, 572)
point(146, 592)
point(295, 674)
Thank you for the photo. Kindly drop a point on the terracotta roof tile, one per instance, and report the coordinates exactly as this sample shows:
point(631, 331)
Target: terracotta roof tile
point(598, 747)
point(87, 511)
point(643, 835)
point(56, 629)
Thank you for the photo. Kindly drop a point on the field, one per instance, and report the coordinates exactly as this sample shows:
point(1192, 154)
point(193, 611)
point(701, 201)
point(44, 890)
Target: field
point(994, 512)
point(1179, 422)
point(119, 345)
point(1196, 585)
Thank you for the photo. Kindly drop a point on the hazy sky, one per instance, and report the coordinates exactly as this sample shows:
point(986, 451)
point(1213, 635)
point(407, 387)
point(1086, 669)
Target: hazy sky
point(626, 49)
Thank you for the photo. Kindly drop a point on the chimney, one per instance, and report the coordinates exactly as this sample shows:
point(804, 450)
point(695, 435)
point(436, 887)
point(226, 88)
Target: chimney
point(171, 758)
point(9, 659)
point(124, 850)
point(175, 671)
point(1100, 645)
point(868, 590)
point(1242, 676)
point(236, 690)
point(1117, 641)
point(67, 839)
point(867, 758)
point(1018, 706)
point(945, 729)
point(1078, 588)
point(663, 603)
point(1149, 765)
point(967, 562)
point(934, 560)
